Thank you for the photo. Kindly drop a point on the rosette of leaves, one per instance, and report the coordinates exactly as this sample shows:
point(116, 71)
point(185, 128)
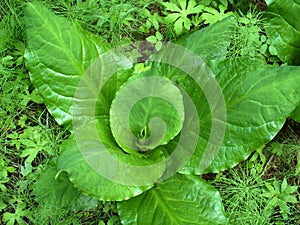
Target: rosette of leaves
point(60, 57)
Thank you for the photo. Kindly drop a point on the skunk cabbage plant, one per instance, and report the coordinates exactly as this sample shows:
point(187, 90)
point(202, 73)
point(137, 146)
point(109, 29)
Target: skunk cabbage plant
point(142, 133)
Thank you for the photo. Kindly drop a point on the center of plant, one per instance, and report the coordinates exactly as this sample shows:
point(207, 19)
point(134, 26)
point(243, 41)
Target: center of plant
point(142, 142)
point(147, 112)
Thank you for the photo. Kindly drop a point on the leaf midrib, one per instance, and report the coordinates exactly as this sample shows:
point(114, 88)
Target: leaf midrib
point(157, 195)
point(62, 45)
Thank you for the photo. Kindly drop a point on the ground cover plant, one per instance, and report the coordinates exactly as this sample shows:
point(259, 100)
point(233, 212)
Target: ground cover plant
point(54, 168)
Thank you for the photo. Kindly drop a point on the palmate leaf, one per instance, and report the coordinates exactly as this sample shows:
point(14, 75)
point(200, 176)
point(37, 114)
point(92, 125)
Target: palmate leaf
point(283, 30)
point(180, 200)
point(179, 15)
point(212, 15)
point(57, 55)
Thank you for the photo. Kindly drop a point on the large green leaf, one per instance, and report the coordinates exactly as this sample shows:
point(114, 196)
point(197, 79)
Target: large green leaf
point(283, 29)
point(87, 180)
point(84, 160)
point(258, 98)
point(55, 190)
point(253, 117)
point(182, 199)
point(257, 104)
point(57, 56)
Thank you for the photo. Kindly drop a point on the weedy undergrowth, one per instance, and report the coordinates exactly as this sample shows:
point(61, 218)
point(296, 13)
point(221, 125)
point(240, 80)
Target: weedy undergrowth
point(36, 150)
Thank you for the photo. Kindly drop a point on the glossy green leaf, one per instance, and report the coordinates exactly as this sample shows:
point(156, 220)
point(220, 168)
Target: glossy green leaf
point(54, 189)
point(283, 29)
point(58, 54)
point(259, 98)
point(182, 199)
point(84, 173)
point(257, 104)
